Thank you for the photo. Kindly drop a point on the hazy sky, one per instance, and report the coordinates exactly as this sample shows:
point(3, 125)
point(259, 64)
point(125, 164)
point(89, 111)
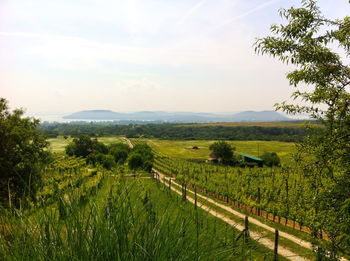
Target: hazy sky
point(128, 55)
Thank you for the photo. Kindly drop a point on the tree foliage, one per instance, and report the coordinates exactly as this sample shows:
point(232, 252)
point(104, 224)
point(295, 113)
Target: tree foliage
point(223, 151)
point(84, 145)
point(271, 159)
point(119, 151)
point(23, 153)
point(317, 48)
point(180, 131)
point(141, 157)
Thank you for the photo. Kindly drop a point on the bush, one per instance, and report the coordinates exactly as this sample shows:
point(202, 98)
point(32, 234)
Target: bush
point(119, 151)
point(84, 145)
point(23, 153)
point(271, 159)
point(141, 157)
point(108, 161)
point(135, 161)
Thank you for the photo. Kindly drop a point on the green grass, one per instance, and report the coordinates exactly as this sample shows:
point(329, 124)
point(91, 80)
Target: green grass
point(58, 144)
point(286, 243)
point(184, 149)
point(132, 219)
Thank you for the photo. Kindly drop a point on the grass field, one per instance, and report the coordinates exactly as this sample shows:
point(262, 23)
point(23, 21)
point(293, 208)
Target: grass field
point(58, 144)
point(184, 149)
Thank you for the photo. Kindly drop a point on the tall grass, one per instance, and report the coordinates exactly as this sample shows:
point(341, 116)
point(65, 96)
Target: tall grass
point(132, 223)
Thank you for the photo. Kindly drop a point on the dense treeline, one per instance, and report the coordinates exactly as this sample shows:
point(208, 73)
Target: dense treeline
point(181, 132)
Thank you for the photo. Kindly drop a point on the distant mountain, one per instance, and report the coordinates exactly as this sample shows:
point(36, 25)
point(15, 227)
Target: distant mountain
point(183, 117)
point(259, 116)
point(94, 115)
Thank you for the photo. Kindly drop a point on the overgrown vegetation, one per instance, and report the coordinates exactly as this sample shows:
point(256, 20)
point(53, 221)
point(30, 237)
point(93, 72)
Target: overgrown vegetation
point(122, 219)
point(307, 41)
point(23, 155)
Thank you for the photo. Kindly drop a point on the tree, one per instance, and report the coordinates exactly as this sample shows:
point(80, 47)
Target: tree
point(271, 159)
point(108, 161)
point(141, 157)
point(135, 161)
point(119, 151)
point(84, 145)
point(312, 44)
point(23, 154)
point(223, 151)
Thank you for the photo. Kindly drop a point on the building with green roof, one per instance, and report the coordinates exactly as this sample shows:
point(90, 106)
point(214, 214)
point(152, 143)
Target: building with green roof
point(251, 159)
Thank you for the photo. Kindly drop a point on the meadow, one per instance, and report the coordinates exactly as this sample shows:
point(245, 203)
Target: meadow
point(184, 149)
point(58, 144)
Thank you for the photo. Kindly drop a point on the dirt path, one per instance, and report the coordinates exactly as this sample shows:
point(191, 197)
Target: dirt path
point(129, 142)
point(254, 235)
point(266, 242)
point(252, 220)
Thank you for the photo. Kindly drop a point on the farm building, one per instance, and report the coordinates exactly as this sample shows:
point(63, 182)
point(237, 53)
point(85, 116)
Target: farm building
point(251, 159)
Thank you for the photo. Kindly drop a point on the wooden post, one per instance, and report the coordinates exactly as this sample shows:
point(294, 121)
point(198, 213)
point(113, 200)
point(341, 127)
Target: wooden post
point(259, 200)
point(185, 190)
point(182, 191)
point(195, 197)
point(246, 229)
point(169, 184)
point(275, 251)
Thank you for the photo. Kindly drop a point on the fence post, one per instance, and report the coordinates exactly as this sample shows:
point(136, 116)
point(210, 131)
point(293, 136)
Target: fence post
point(195, 197)
point(275, 251)
point(184, 191)
point(246, 229)
point(259, 201)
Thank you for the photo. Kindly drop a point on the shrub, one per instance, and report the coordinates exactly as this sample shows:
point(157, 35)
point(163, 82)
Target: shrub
point(271, 159)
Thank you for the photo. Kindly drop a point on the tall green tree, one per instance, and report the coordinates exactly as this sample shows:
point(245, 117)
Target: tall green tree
point(23, 153)
point(317, 48)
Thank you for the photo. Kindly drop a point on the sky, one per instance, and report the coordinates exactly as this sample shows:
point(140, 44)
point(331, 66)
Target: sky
point(63, 56)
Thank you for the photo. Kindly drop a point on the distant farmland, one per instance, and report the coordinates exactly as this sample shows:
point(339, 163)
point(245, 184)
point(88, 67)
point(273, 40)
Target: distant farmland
point(184, 148)
point(278, 124)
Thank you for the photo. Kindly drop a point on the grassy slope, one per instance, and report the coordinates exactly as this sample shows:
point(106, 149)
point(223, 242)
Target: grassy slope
point(211, 229)
point(129, 232)
point(58, 144)
point(183, 149)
